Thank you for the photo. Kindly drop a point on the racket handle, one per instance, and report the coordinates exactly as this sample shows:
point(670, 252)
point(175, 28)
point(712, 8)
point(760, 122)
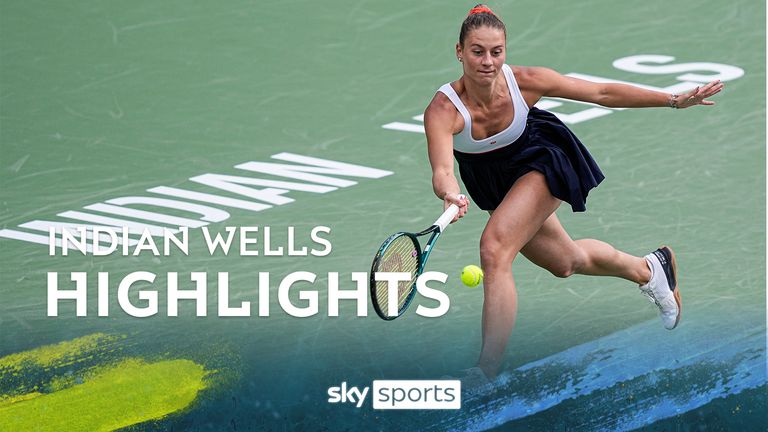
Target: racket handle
point(447, 217)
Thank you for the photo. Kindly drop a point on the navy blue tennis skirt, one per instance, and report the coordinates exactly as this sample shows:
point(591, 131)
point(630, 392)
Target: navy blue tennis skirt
point(546, 146)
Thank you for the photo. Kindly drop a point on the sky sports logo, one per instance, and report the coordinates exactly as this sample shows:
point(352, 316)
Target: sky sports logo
point(401, 394)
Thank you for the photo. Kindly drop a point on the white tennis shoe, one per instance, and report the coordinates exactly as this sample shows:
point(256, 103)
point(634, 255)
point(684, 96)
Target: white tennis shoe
point(661, 289)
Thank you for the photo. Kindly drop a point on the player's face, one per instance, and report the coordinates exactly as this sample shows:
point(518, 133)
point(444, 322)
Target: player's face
point(483, 53)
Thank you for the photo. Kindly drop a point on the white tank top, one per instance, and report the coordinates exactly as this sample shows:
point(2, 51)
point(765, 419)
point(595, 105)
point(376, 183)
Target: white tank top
point(463, 140)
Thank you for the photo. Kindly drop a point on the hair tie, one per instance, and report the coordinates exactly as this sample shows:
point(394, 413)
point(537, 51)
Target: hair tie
point(480, 9)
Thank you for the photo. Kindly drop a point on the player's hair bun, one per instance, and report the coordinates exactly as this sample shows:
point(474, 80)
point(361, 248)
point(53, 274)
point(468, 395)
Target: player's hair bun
point(480, 8)
point(480, 16)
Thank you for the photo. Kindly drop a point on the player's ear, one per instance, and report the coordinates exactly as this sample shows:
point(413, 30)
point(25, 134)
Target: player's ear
point(458, 51)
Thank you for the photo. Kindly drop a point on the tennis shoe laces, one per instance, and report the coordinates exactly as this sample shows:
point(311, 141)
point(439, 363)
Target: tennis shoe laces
point(661, 289)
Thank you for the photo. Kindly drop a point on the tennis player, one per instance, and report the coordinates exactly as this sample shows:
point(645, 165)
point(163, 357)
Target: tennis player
point(519, 163)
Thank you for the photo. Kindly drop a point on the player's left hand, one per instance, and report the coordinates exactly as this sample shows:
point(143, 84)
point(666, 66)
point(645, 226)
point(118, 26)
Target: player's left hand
point(699, 95)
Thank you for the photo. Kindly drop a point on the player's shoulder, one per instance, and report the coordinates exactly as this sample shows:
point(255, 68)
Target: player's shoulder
point(532, 73)
point(442, 116)
point(440, 107)
point(533, 77)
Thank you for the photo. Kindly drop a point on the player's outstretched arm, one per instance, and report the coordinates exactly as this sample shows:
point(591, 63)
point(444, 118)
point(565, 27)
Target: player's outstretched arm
point(438, 125)
point(547, 82)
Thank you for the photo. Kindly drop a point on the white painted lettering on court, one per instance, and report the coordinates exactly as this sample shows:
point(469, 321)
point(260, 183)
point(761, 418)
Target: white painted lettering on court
point(308, 174)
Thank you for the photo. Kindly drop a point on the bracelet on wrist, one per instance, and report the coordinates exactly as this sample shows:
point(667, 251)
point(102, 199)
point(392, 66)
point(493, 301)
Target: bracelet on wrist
point(672, 102)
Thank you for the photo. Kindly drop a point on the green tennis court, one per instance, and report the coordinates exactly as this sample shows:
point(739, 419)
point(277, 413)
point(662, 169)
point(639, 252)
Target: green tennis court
point(107, 108)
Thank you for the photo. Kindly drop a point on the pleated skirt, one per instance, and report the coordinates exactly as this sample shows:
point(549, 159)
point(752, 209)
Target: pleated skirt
point(546, 146)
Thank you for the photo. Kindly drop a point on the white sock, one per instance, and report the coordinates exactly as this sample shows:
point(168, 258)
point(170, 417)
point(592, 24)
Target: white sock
point(650, 267)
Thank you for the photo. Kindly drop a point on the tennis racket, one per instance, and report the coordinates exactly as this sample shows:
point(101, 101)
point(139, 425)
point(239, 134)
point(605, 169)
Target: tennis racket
point(402, 252)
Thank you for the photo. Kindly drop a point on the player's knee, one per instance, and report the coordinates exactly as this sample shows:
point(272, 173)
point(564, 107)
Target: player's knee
point(494, 253)
point(562, 271)
point(568, 266)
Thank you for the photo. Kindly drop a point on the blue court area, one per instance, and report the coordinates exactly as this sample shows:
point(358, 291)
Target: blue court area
point(290, 118)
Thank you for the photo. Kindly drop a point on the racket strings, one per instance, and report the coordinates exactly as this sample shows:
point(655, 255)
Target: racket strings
point(399, 256)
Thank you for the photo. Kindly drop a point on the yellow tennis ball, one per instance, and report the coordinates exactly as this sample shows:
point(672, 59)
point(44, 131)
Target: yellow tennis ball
point(472, 275)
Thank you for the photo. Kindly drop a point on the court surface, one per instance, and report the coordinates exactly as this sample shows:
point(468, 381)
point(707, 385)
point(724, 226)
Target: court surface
point(101, 101)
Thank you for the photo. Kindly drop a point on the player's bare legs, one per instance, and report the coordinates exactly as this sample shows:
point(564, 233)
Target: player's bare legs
point(553, 249)
point(511, 226)
point(525, 222)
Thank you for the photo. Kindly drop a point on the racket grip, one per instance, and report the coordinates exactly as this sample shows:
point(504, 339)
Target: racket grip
point(447, 217)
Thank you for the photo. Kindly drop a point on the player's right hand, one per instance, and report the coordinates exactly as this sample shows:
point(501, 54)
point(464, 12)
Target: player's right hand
point(460, 200)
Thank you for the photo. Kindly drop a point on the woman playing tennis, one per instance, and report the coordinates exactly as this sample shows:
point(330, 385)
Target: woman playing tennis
point(519, 163)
